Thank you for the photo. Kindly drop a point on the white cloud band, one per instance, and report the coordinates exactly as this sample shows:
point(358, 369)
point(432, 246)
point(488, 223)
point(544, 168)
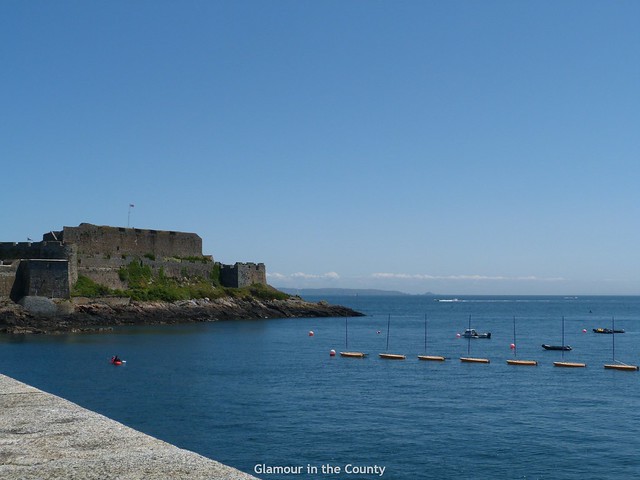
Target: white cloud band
point(417, 276)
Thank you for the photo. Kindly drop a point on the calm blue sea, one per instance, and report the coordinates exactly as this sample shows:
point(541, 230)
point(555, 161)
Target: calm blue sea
point(248, 393)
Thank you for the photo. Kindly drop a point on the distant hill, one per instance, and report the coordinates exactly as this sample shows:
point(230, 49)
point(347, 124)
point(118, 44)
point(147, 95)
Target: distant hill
point(351, 292)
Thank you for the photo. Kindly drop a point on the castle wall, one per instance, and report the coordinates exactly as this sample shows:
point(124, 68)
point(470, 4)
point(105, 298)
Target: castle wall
point(7, 277)
point(105, 271)
point(44, 278)
point(94, 239)
point(44, 249)
point(243, 274)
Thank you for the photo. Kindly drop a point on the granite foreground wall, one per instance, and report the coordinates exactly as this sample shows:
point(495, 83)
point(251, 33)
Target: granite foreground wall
point(43, 436)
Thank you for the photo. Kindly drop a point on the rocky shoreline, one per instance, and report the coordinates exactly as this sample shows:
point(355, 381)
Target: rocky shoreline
point(98, 315)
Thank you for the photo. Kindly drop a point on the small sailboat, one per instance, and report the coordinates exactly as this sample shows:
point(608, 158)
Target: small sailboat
point(346, 343)
point(618, 365)
point(515, 361)
point(563, 349)
point(390, 356)
point(469, 359)
point(433, 358)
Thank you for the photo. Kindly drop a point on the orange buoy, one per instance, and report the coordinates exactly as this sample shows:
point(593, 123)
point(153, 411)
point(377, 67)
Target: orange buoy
point(332, 353)
point(311, 333)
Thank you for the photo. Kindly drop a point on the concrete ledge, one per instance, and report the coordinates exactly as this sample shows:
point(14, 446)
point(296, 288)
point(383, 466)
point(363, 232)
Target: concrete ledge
point(43, 436)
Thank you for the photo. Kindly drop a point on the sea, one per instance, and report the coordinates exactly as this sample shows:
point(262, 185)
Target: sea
point(266, 396)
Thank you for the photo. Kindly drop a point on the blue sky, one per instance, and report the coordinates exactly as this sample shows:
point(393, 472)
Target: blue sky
point(454, 147)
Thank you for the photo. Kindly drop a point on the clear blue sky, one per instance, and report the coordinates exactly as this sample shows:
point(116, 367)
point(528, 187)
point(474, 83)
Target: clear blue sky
point(447, 146)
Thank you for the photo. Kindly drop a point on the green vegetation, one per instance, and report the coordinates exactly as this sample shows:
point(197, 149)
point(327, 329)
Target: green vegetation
point(85, 287)
point(192, 259)
point(145, 286)
point(214, 276)
point(266, 292)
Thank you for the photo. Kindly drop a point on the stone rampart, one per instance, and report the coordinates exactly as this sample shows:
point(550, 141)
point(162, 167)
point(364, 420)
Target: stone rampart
point(105, 271)
point(116, 241)
point(44, 249)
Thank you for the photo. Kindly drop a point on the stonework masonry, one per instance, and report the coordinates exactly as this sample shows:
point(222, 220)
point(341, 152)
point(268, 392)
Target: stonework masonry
point(51, 267)
point(243, 274)
point(103, 240)
point(37, 277)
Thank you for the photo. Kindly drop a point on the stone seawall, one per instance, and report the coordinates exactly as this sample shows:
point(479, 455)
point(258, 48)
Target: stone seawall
point(47, 437)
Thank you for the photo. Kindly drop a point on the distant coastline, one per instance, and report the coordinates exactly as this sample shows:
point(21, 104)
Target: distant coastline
point(351, 292)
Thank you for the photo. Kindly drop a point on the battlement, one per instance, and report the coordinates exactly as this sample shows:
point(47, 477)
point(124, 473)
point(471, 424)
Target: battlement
point(44, 249)
point(94, 239)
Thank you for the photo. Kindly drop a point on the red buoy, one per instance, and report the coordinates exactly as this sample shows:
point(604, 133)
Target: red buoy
point(311, 333)
point(332, 353)
point(512, 346)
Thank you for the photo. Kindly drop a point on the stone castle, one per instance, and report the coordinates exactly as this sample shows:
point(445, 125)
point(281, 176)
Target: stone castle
point(51, 268)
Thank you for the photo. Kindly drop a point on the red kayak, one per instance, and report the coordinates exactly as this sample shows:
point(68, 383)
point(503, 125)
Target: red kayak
point(117, 361)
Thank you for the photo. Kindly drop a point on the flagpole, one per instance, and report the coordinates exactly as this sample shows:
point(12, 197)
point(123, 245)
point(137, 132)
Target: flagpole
point(131, 205)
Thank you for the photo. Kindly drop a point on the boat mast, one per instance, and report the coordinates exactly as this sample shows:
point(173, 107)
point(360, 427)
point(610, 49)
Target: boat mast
point(388, 325)
point(346, 334)
point(562, 349)
point(425, 333)
point(515, 345)
point(613, 338)
point(469, 337)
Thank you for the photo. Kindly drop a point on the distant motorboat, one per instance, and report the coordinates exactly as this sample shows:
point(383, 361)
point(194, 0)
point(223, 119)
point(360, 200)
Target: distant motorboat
point(607, 330)
point(471, 333)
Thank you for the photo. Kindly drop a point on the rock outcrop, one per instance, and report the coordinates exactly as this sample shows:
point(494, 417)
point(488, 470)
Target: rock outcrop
point(99, 315)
